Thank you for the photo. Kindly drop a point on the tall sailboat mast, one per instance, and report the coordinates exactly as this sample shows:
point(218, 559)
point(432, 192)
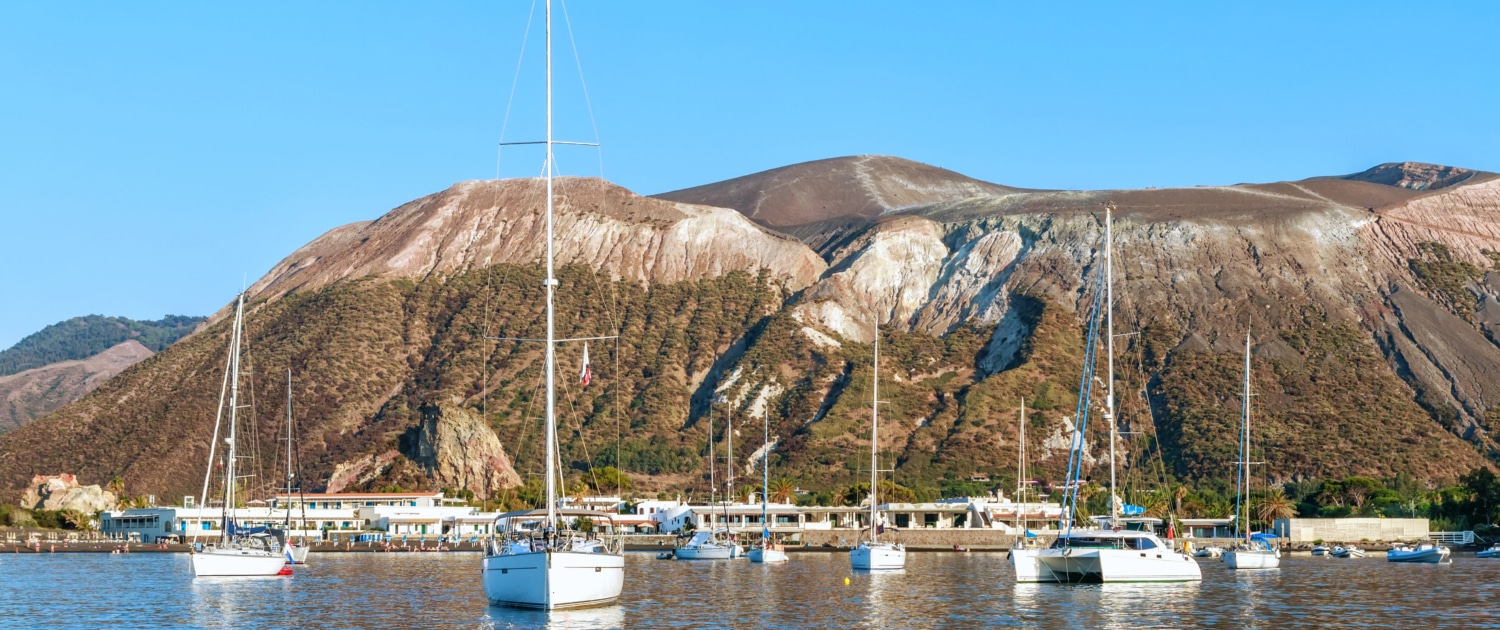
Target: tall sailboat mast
point(765, 478)
point(1242, 485)
point(1109, 397)
point(729, 489)
point(288, 525)
point(234, 405)
point(551, 283)
point(875, 443)
point(1021, 470)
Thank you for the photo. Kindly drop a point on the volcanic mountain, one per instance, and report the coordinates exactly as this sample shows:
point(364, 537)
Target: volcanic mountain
point(1371, 300)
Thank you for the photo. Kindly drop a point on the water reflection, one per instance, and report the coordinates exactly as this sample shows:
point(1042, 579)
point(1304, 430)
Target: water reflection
point(584, 619)
point(880, 588)
point(935, 590)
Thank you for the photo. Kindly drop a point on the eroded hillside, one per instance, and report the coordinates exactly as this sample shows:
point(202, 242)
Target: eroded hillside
point(1371, 300)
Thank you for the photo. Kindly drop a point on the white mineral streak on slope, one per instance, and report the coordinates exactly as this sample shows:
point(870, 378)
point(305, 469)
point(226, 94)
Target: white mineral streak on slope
point(887, 280)
point(479, 223)
point(767, 391)
point(819, 339)
point(734, 377)
point(754, 462)
point(1060, 442)
point(971, 283)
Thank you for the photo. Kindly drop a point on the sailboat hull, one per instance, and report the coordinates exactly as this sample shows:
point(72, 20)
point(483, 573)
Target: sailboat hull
point(767, 556)
point(552, 580)
point(704, 553)
point(877, 557)
point(1252, 559)
point(299, 553)
point(239, 563)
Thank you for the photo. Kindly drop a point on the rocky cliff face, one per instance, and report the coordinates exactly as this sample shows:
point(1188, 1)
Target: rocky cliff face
point(63, 492)
point(458, 449)
point(477, 224)
point(1372, 304)
point(31, 394)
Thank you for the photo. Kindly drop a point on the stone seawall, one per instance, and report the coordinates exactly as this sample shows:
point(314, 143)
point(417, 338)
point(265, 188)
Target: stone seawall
point(923, 539)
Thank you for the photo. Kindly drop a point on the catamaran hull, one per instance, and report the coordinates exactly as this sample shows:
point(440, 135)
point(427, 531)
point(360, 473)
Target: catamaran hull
point(1026, 566)
point(877, 558)
point(1241, 559)
point(551, 580)
point(767, 556)
point(238, 563)
point(704, 553)
point(1076, 566)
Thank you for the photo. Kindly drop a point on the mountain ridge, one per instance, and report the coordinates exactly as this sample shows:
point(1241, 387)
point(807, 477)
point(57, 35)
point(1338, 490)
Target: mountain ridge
point(1377, 306)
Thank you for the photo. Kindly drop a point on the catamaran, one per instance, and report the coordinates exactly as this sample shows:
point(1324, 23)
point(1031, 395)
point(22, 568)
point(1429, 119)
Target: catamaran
point(239, 551)
point(1112, 551)
point(767, 550)
point(1255, 550)
point(873, 554)
point(552, 558)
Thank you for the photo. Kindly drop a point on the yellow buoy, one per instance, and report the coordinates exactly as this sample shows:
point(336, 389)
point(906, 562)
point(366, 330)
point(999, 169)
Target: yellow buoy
point(846, 581)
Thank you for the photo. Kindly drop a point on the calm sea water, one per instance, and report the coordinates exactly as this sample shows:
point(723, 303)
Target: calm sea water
point(936, 590)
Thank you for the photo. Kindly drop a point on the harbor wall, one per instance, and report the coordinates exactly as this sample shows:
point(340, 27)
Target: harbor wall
point(1307, 530)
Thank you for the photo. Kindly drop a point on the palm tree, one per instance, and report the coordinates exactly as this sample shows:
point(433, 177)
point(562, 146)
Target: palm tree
point(1155, 502)
point(1177, 495)
point(1275, 506)
point(74, 519)
point(782, 490)
point(116, 486)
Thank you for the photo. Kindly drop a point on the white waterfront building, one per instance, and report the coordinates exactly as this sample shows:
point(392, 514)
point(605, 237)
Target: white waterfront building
point(325, 515)
point(990, 512)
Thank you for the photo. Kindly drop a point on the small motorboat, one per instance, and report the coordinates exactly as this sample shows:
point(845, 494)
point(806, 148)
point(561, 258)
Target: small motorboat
point(1347, 552)
point(666, 555)
point(1321, 550)
point(1211, 551)
point(1425, 553)
point(1492, 552)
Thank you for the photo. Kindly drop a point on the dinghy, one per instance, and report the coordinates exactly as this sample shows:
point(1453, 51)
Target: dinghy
point(1423, 553)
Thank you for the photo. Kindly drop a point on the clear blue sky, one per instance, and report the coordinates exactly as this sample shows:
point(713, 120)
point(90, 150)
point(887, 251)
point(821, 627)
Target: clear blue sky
point(153, 154)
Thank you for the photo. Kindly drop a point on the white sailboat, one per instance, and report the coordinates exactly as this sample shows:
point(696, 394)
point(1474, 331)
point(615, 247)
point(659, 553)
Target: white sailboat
point(238, 552)
point(1254, 551)
point(538, 559)
point(715, 543)
point(299, 549)
point(873, 554)
point(1023, 552)
point(767, 551)
point(1116, 553)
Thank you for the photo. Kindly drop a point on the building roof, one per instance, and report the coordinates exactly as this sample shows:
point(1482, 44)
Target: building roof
point(319, 496)
point(1207, 521)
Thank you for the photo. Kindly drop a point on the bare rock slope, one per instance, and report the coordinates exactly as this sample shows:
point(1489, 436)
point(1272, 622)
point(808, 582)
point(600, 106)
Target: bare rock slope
point(28, 395)
point(1373, 301)
point(476, 224)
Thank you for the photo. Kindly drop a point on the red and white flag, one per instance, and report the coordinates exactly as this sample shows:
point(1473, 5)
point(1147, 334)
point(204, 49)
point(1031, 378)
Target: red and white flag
point(585, 375)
